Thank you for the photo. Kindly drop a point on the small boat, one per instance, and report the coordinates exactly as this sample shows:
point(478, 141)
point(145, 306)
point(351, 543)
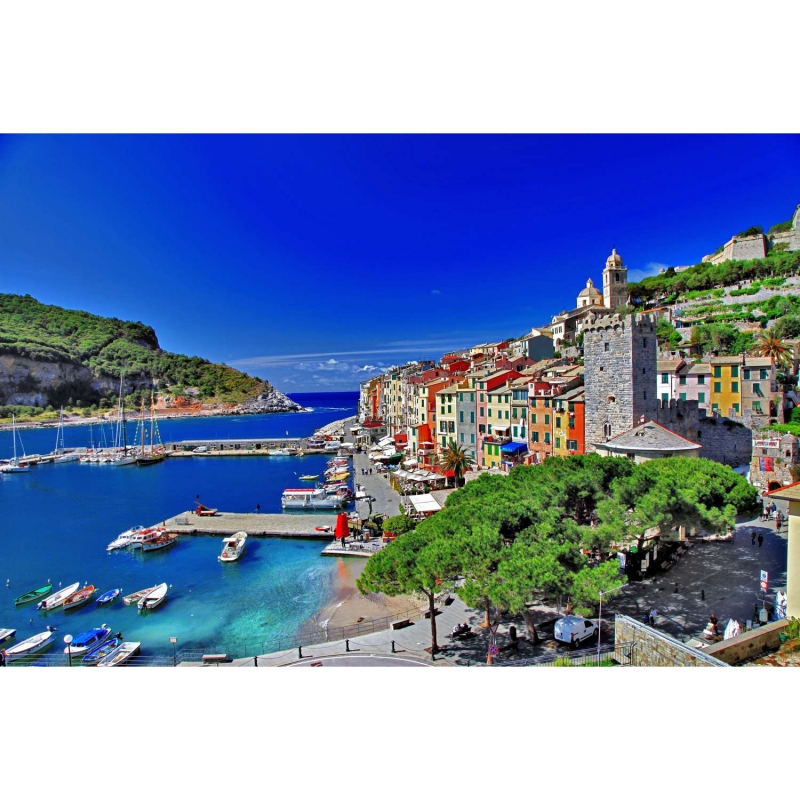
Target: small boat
point(279, 452)
point(30, 646)
point(79, 598)
point(160, 542)
point(154, 599)
point(309, 499)
point(146, 535)
point(119, 656)
point(204, 511)
point(124, 539)
point(55, 600)
point(130, 599)
point(14, 464)
point(100, 651)
point(35, 594)
point(308, 477)
point(233, 547)
point(84, 642)
point(6, 634)
point(323, 528)
point(109, 597)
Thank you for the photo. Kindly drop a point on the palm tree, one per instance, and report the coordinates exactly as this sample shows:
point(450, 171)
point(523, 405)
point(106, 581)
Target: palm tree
point(770, 346)
point(455, 458)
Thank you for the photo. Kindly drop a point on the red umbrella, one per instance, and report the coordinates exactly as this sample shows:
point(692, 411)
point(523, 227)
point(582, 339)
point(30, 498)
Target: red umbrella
point(341, 526)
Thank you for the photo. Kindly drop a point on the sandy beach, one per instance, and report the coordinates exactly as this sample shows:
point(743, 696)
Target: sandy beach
point(351, 607)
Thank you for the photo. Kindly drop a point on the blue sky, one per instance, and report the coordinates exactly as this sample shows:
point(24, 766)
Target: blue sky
point(319, 261)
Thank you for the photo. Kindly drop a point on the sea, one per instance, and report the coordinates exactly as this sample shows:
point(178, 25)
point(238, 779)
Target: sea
point(56, 520)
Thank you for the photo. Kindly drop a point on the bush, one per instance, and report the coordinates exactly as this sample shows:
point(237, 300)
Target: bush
point(754, 230)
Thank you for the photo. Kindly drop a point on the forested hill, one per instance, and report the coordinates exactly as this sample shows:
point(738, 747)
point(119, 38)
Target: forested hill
point(73, 355)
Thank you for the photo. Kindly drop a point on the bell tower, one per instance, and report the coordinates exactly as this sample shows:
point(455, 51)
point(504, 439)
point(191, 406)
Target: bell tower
point(615, 282)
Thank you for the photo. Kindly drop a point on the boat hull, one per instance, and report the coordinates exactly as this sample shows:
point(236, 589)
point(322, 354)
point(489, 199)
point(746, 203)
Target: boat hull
point(36, 644)
point(122, 654)
point(36, 594)
point(79, 598)
point(99, 652)
point(6, 634)
point(54, 601)
point(146, 461)
point(108, 597)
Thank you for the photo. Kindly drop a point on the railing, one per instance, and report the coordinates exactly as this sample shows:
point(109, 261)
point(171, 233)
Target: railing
point(622, 654)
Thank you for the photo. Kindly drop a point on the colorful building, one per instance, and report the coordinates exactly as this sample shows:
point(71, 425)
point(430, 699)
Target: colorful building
point(569, 416)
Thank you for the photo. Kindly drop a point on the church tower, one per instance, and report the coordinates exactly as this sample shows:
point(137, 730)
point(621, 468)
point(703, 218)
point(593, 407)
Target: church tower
point(615, 282)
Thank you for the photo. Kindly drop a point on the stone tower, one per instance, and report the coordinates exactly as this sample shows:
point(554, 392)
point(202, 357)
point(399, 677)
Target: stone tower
point(615, 282)
point(619, 374)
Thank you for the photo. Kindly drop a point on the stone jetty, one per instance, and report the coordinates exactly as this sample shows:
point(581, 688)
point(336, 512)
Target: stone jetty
point(226, 523)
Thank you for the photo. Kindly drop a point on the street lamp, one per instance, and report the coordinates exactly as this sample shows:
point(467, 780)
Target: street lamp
point(600, 615)
point(174, 640)
point(68, 643)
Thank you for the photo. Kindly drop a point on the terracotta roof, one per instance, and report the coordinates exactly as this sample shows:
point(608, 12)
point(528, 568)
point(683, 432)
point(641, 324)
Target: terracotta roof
point(790, 492)
point(649, 436)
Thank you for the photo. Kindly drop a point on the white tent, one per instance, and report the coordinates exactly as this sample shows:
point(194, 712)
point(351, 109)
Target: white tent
point(424, 503)
point(732, 629)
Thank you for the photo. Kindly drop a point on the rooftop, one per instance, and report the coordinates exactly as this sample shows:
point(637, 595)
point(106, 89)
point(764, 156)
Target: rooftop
point(649, 436)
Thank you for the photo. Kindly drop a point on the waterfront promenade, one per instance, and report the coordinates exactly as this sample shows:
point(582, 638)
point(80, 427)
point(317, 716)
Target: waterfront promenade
point(226, 523)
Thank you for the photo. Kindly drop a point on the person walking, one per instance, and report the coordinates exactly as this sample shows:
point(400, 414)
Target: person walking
point(760, 539)
point(752, 537)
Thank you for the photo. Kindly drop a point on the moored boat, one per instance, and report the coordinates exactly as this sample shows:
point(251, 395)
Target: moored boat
point(233, 547)
point(34, 594)
point(79, 598)
point(120, 655)
point(30, 646)
point(6, 634)
point(108, 597)
point(124, 539)
point(146, 535)
point(309, 499)
point(131, 599)
point(308, 477)
point(100, 651)
point(154, 599)
point(88, 640)
point(160, 542)
point(55, 600)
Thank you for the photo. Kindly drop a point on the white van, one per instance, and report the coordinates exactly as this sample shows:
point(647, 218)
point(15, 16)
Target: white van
point(574, 630)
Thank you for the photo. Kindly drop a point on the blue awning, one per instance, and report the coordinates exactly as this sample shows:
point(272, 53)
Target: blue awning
point(513, 447)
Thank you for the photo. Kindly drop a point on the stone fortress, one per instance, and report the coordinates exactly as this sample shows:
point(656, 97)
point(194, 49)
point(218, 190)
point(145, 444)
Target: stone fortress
point(568, 324)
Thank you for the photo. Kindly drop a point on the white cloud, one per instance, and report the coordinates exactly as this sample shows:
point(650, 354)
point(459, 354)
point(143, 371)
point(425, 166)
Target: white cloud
point(435, 291)
point(650, 269)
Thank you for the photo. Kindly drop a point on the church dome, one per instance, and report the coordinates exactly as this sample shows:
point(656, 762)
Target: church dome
point(590, 291)
point(614, 260)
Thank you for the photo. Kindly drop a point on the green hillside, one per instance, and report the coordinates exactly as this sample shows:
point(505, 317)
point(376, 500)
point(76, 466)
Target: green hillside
point(109, 348)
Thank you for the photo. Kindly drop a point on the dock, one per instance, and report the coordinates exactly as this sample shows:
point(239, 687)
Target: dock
point(226, 523)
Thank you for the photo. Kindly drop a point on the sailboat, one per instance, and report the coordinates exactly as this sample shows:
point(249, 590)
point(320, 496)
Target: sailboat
point(121, 457)
point(14, 465)
point(63, 457)
point(90, 456)
point(155, 452)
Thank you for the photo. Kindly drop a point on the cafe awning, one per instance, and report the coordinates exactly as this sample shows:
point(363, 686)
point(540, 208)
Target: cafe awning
point(424, 503)
point(514, 448)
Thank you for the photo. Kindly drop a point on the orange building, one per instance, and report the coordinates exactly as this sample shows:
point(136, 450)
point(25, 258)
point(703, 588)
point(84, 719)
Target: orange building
point(569, 416)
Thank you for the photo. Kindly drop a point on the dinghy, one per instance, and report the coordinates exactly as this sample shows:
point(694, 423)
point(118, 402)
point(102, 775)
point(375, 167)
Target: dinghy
point(34, 594)
point(119, 656)
point(30, 646)
point(55, 600)
point(154, 599)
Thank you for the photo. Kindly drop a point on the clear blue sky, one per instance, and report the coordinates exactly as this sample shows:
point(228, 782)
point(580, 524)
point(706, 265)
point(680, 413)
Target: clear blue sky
point(318, 261)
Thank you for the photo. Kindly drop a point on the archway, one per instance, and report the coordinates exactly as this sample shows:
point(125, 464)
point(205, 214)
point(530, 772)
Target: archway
point(773, 485)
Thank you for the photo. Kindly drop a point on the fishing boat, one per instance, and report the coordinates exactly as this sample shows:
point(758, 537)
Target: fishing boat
point(13, 465)
point(204, 511)
point(146, 535)
point(30, 646)
point(308, 477)
point(309, 499)
point(120, 655)
point(6, 634)
point(84, 642)
point(160, 542)
point(154, 599)
point(124, 539)
point(100, 651)
point(233, 547)
point(151, 447)
point(79, 598)
point(60, 456)
point(34, 594)
point(108, 597)
point(131, 599)
point(55, 600)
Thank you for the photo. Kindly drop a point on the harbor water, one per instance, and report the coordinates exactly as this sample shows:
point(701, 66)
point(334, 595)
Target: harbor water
point(56, 520)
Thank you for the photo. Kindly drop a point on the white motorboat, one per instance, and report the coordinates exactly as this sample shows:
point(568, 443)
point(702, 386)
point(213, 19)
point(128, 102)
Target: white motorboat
point(233, 547)
point(119, 656)
point(160, 542)
point(30, 646)
point(154, 599)
point(124, 539)
point(309, 499)
point(130, 599)
point(279, 452)
point(57, 599)
point(84, 642)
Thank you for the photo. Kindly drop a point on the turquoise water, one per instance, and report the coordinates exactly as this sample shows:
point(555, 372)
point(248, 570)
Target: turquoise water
point(56, 521)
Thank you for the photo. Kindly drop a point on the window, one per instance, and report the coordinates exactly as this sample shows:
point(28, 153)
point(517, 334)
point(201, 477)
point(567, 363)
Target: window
point(665, 378)
point(764, 374)
point(682, 396)
point(605, 347)
point(461, 437)
point(747, 374)
point(734, 372)
point(558, 422)
point(757, 406)
point(572, 444)
point(546, 437)
point(481, 397)
point(607, 430)
point(682, 380)
point(444, 441)
point(472, 417)
point(701, 397)
point(717, 372)
point(472, 438)
point(514, 413)
point(665, 397)
point(472, 397)
point(533, 419)
point(522, 413)
point(514, 431)
point(547, 402)
point(717, 386)
point(490, 412)
point(714, 407)
point(735, 408)
point(460, 416)
point(735, 387)
point(701, 380)
point(506, 413)
point(481, 414)
point(546, 419)
point(757, 389)
point(645, 395)
point(535, 436)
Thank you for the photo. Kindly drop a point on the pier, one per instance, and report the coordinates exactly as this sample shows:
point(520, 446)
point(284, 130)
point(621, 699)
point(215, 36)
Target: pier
point(234, 446)
point(226, 523)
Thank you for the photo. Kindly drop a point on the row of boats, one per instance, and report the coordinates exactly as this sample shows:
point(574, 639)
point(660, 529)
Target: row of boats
point(96, 647)
point(73, 596)
point(331, 493)
point(145, 539)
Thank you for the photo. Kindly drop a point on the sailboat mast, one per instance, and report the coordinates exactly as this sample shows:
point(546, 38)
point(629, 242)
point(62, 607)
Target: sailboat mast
point(122, 420)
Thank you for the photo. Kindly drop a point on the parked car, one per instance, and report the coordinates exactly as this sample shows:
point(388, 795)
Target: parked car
point(574, 630)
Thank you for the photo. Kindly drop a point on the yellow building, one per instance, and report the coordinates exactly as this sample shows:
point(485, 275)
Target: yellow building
point(742, 384)
point(446, 418)
point(498, 425)
point(726, 393)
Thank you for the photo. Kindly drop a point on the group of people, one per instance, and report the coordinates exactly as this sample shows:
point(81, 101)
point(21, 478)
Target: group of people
point(460, 629)
point(771, 511)
point(366, 471)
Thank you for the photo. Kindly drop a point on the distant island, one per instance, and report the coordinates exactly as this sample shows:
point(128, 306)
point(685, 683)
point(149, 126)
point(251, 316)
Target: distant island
point(52, 357)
